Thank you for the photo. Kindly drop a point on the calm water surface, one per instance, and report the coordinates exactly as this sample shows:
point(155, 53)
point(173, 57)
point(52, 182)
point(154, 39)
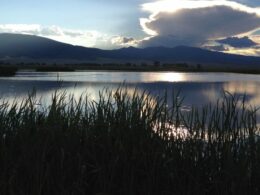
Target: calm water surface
point(197, 88)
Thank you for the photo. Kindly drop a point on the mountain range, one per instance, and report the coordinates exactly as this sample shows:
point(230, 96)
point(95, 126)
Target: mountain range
point(17, 46)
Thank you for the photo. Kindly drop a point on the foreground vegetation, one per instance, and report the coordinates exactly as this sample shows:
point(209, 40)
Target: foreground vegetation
point(128, 144)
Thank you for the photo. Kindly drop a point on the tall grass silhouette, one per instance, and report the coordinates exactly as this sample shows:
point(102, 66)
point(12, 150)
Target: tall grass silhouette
point(128, 144)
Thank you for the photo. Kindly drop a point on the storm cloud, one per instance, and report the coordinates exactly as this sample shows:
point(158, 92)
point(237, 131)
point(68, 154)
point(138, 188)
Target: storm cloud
point(194, 23)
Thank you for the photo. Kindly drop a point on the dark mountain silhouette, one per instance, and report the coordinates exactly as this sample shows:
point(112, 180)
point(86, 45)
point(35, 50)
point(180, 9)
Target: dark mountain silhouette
point(33, 47)
point(16, 45)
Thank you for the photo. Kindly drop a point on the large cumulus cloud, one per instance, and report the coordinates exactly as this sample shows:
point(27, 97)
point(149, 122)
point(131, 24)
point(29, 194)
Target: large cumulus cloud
point(194, 23)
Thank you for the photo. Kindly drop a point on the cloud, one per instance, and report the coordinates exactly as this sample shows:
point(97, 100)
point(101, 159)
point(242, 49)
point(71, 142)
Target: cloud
point(72, 33)
point(238, 42)
point(75, 37)
point(194, 23)
point(124, 41)
point(34, 29)
point(217, 48)
point(255, 38)
point(85, 38)
point(255, 51)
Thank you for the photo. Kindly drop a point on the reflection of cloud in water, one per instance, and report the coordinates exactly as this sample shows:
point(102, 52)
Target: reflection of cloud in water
point(248, 88)
point(241, 87)
point(19, 90)
point(195, 93)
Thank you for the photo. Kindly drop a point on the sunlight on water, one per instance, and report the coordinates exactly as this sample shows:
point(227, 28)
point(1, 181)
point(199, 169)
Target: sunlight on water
point(130, 77)
point(197, 88)
point(172, 77)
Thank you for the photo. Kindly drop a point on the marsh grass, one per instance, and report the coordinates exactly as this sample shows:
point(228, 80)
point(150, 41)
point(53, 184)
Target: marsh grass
point(128, 144)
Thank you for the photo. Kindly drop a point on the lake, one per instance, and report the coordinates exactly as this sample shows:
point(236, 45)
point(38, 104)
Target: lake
point(196, 88)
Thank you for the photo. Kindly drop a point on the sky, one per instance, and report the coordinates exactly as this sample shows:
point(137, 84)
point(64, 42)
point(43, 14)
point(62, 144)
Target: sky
point(231, 26)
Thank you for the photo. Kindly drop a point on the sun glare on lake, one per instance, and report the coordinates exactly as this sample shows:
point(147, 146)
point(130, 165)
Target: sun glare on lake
point(172, 77)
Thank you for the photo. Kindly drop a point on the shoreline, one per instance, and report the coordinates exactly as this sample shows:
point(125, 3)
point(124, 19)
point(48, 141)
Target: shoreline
point(12, 69)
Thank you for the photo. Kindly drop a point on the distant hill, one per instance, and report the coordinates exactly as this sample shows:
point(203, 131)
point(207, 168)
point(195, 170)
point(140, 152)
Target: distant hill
point(33, 47)
point(16, 45)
